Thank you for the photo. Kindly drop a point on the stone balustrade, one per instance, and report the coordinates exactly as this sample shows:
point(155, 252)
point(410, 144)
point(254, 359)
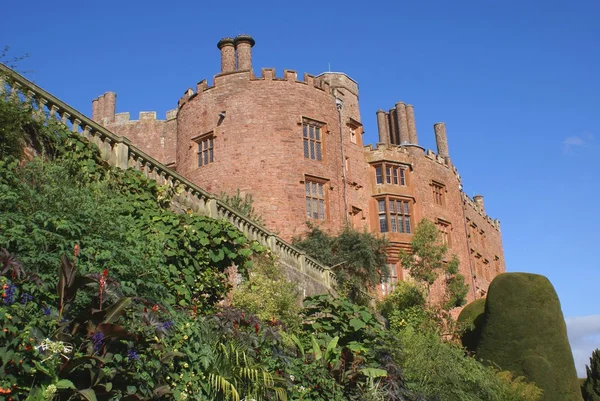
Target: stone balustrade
point(313, 277)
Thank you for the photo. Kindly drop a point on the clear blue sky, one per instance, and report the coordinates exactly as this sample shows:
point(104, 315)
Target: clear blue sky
point(517, 83)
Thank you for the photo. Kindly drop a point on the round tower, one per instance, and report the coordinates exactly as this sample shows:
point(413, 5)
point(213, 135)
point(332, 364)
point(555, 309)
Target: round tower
point(279, 139)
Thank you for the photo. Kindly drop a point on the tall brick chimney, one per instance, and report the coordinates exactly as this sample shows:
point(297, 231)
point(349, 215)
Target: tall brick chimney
point(96, 109)
point(243, 47)
point(402, 123)
point(412, 127)
point(441, 140)
point(110, 106)
point(478, 199)
point(382, 127)
point(227, 47)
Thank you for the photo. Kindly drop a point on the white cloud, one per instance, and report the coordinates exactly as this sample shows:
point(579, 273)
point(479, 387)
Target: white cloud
point(577, 141)
point(584, 336)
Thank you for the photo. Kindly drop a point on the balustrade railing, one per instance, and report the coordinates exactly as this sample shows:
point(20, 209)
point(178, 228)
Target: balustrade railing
point(120, 152)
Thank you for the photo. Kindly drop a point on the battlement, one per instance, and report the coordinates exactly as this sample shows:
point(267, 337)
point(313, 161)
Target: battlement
point(267, 74)
point(476, 205)
point(125, 117)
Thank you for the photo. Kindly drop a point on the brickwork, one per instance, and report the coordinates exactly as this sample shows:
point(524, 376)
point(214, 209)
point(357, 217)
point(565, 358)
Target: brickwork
point(251, 133)
point(155, 137)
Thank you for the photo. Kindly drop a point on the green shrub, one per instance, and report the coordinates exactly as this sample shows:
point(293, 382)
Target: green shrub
point(525, 333)
point(471, 320)
point(359, 259)
point(268, 294)
point(442, 371)
point(590, 386)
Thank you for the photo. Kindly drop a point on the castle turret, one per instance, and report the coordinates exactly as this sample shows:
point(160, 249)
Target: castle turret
point(441, 140)
point(412, 127)
point(243, 46)
point(226, 45)
point(103, 108)
point(382, 126)
point(402, 123)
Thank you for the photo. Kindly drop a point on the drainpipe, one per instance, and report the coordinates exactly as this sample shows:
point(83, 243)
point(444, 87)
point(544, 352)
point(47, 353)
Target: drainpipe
point(339, 103)
point(468, 249)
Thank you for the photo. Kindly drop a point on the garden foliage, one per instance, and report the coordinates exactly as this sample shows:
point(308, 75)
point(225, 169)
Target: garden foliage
point(107, 294)
point(471, 320)
point(590, 388)
point(358, 259)
point(525, 332)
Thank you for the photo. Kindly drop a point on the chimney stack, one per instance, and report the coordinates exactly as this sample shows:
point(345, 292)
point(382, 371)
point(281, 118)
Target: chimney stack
point(96, 109)
point(412, 127)
point(478, 199)
point(441, 140)
point(402, 123)
point(243, 46)
point(227, 47)
point(110, 106)
point(382, 125)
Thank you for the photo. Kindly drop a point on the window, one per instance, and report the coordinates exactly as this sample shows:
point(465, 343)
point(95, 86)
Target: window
point(391, 174)
point(438, 192)
point(205, 150)
point(445, 232)
point(315, 199)
point(394, 215)
point(353, 135)
point(313, 142)
point(388, 284)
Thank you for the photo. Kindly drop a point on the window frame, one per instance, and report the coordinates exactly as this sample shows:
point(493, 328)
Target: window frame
point(391, 174)
point(313, 146)
point(319, 182)
point(403, 214)
point(388, 284)
point(446, 234)
point(439, 193)
point(208, 151)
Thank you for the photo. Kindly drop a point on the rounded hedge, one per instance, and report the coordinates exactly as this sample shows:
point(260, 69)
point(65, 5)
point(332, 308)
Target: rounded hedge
point(472, 318)
point(525, 332)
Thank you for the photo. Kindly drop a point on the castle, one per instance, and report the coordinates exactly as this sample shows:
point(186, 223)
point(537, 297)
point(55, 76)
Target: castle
point(296, 145)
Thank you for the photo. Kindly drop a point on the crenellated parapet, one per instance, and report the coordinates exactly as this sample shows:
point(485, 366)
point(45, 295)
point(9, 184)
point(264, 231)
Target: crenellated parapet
point(476, 205)
point(125, 117)
point(267, 75)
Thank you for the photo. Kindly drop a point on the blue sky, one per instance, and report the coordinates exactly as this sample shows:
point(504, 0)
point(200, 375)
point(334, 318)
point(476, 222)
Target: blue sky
point(515, 81)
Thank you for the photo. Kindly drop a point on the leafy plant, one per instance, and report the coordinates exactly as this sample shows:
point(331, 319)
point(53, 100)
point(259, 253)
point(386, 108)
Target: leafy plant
point(243, 204)
point(268, 294)
point(359, 259)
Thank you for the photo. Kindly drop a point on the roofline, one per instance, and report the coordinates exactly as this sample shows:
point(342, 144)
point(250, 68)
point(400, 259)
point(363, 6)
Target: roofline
point(341, 73)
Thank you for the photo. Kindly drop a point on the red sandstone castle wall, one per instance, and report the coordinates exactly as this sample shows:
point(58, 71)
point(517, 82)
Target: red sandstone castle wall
point(258, 145)
point(157, 138)
point(256, 126)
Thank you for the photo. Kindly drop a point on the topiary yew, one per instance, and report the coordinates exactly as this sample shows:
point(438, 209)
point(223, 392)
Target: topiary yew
point(525, 332)
point(472, 319)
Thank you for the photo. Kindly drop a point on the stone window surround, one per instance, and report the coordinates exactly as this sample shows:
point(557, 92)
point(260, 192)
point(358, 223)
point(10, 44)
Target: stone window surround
point(439, 192)
point(385, 166)
point(402, 214)
point(306, 141)
point(325, 183)
point(205, 147)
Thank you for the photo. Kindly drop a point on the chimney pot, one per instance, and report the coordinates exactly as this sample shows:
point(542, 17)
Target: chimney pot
point(243, 46)
point(227, 47)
